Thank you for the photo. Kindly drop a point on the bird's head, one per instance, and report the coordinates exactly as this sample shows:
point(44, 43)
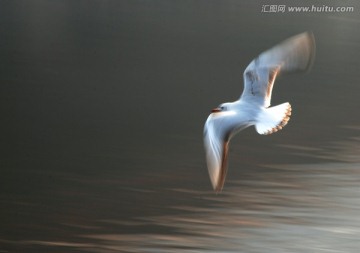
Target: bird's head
point(221, 108)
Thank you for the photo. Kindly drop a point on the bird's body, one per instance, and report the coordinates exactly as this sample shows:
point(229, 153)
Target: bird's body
point(294, 54)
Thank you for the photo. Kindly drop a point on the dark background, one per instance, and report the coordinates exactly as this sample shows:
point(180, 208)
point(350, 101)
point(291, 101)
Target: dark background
point(102, 111)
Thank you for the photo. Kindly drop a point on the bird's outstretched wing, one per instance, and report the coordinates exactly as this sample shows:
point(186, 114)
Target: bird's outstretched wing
point(294, 54)
point(218, 130)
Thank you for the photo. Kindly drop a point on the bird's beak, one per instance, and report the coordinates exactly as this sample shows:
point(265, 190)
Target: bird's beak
point(216, 110)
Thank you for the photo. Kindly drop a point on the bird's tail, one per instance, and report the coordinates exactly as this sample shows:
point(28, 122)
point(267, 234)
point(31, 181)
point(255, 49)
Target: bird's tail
point(273, 119)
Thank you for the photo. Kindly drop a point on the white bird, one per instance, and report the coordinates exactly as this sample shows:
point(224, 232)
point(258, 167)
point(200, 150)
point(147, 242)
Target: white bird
point(252, 108)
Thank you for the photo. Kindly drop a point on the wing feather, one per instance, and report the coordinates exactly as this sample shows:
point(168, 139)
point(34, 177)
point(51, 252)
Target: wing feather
point(216, 142)
point(294, 54)
point(218, 130)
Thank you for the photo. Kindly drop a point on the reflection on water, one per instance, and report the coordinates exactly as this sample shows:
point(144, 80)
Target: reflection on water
point(103, 106)
point(280, 208)
point(311, 208)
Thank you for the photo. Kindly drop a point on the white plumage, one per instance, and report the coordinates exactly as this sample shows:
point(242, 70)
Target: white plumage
point(294, 54)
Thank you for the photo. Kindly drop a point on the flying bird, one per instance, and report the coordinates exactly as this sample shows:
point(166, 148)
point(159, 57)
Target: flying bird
point(253, 107)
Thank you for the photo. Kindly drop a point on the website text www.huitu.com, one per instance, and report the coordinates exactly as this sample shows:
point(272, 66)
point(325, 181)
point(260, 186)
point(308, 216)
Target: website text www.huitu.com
point(274, 8)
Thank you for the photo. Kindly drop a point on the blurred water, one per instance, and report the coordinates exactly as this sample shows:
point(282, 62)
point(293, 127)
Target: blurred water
point(103, 106)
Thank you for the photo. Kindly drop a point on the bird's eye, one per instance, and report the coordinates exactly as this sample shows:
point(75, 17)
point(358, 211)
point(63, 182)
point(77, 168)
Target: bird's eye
point(223, 108)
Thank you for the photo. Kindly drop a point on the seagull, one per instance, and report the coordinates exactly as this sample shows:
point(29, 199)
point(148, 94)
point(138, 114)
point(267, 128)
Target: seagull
point(295, 54)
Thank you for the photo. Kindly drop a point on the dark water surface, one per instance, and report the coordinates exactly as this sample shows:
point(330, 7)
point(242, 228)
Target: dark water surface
point(102, 111)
